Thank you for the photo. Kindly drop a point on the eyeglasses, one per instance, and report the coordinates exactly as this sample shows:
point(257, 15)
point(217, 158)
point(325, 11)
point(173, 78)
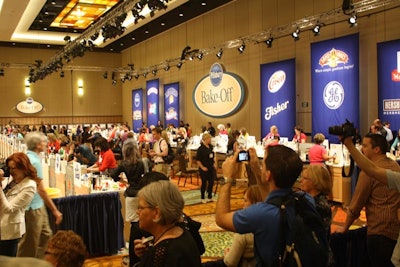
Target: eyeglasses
point(140, 208)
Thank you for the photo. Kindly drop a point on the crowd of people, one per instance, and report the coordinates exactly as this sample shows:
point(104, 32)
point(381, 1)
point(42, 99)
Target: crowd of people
point(161, 234)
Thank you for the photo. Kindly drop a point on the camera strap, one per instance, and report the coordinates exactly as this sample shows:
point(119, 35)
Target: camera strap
point(351, 166)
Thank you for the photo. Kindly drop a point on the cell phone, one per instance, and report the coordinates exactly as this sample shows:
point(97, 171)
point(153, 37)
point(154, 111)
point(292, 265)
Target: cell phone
point(148, 241)
point(243, 156)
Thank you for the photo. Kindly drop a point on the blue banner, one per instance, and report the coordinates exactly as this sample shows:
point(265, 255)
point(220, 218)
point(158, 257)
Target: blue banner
point(334, 84)
point(389, 83)
point(171, 104)
point(137, 109)
point(152, 102)
point(278, 97)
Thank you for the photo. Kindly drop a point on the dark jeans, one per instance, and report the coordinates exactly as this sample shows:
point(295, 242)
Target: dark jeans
point(380, 250)
point(9, 247)
point(136, 233)
point(207, 182)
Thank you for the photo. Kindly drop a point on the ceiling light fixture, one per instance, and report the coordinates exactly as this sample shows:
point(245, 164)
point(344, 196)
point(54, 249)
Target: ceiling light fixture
point(296, 34)
point(200, 56)
point(241, 48)
point(1, 72)
point(166, 68)
point(316, 29)
point(269, 42)
point(105, 75)
point(62, 74)
point(154, 72)
point(219, 54)
point(179, 65)
point(353, 20)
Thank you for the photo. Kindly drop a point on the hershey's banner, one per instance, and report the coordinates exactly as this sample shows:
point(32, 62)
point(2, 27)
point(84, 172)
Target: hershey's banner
point(389, 83)
point(278, 97)
point(137, 109)
point(335, 84)
point(171, 104)
point(152, 102)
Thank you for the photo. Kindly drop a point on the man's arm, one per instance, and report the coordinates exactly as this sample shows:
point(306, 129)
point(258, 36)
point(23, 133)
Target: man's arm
point(223, 213)
point(48, 201)
point(256, 169)
point(365, 164)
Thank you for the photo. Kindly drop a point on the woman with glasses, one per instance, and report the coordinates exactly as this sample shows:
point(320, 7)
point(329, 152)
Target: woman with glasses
point(160, 208)
point(14, 198)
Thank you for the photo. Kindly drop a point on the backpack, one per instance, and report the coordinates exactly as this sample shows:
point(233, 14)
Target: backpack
point(170, 157)
point(306, 244)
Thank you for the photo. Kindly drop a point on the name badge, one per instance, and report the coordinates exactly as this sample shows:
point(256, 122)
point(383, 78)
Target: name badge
point(211, 155)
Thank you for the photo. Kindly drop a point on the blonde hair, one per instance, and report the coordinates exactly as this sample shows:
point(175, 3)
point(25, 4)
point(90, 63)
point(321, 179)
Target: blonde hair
point(320, 177)
point(205, 136)
point(319, 138)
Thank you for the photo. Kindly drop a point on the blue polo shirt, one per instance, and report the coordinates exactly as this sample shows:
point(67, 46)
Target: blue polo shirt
point(263, 220)
point(36, 161)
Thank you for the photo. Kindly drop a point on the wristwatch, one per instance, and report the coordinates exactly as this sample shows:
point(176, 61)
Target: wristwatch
point(225, 180)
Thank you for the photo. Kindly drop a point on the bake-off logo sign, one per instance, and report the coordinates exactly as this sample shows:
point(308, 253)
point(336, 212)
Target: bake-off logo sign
point(275, 83)
point(29, 106)
point(218, 94)
point(331, 61)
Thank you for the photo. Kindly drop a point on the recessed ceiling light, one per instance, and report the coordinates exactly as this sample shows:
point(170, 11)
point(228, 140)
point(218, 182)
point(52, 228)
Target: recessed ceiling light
point(111, 49)
point(181, 14)
point(203, 3)
point(53, 2)
point(75, 31)
point(162, 23)
point(48, 45)
point(45, 29)
point(146, 31)
point(133, 38)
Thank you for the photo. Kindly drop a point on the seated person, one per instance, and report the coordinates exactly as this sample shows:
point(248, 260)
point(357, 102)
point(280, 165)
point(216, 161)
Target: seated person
point(66, 249)
point(84, 155)
point(106, 161)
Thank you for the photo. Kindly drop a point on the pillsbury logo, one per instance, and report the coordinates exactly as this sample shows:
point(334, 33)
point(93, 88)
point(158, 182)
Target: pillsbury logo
point(216, 73)
point(333, 95)
point(137, 100)
point(29, 100)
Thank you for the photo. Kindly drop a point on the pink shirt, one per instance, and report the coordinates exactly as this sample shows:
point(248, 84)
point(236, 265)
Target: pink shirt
point(315, 155)
point(299, 138)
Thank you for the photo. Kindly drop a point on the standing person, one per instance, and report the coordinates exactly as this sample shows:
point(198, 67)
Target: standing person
point(381, 204)
point(281, 168)
point(233, 144)
point(389, 135)
point(299, 136)
point(228, 128)
point(317, 153)
point(385, 176)
point(38, 231)
point(160, 150)
point(160, 208)
point(205, 160)
point(210, 129)
point(131, 170)
point(13, 200)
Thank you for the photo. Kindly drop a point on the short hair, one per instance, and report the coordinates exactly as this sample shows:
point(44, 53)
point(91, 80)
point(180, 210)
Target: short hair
point(32, 139)
point(205, 136)
point(157, 130)
point(69, 248)
point(254, 194)
point(378, 140)
point(298, 128)
point(319, 138)
point(320, 177)
point(166, 196)
point(284, 165)
point(22, 162)
point(152, 176)
point(102, 143)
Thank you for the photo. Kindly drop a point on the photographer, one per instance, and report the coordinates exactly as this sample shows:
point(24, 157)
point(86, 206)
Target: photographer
point(385, 176)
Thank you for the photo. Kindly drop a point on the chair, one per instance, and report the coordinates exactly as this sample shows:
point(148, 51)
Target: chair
point(185, 172)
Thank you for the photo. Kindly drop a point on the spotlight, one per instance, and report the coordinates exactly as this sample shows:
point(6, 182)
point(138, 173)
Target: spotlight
point(296, 34)
point(145, 74)
point(105, 75)
point(316, 30)
point(94, 36)
point(1, 72)
point(269, 42)
point(67, 38)
point(179, 65)
point(131, 66)
point(62, 74)
point(353, 21)
point(219, 54)
point(137, 76)
point(200, 56)
point(114, 82)
point(167, 67)
point(154, 72)
point(241, 48)
point(184, 52)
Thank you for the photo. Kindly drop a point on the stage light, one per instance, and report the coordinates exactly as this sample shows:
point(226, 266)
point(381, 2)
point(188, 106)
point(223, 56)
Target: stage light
point(316, 30)
point(219, 54)
point(1, 72)
point(269, 42)
point(241, 48)
point(137, 76)
point(200, 56)
point(154, 72)
point(179, 65)
point(353, 21)
point(105, 75)
point(62, 74)
point(166, 68)
point(296, 34)
point(114, 82)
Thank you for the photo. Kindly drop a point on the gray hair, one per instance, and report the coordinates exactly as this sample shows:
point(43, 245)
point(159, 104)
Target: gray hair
point(166, 196)
point(34, 138)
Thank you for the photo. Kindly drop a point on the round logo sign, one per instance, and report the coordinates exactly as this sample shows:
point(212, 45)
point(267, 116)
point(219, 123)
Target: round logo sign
point(216, 73)
point(276, 81)
point(137, 100)
point(29, 106)
point(333, 95)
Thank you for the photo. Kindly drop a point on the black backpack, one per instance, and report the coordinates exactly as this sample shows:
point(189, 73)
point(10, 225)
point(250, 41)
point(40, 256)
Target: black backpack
point(306, 244)
point(171, 156)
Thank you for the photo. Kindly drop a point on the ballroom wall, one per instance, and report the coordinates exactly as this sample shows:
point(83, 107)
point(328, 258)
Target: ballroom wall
point(234, 20)
point(241, 18)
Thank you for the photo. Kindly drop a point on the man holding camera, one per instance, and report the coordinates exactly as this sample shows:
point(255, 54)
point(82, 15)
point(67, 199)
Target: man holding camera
point(281, 167)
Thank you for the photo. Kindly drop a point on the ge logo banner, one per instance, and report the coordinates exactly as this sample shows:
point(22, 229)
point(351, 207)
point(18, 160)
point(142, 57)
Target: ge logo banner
point(333, 95)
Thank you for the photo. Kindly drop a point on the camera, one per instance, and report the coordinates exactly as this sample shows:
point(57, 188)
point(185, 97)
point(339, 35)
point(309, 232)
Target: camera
point(346, 129)
point(243, 156)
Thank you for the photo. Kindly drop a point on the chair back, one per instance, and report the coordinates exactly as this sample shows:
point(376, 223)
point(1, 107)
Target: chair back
point(182, 163)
